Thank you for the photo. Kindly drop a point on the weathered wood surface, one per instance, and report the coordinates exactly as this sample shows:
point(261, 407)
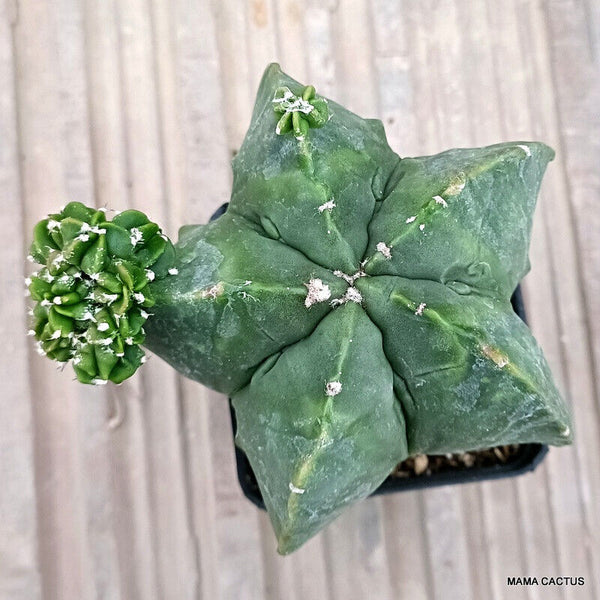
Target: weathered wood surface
point(131, 493)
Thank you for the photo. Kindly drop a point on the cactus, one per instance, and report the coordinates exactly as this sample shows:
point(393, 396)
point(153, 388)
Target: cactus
point(354, 305)
point(93, 289)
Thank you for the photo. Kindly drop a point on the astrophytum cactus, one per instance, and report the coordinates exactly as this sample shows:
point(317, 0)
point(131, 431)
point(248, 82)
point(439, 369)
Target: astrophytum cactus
point(93, 289)
point(354, 305)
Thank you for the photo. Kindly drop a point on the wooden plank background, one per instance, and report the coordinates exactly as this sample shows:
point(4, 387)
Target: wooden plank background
point(130, 493)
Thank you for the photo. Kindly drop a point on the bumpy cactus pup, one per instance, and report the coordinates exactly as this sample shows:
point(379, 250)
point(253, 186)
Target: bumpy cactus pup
point(93, 291)
point(354, 305)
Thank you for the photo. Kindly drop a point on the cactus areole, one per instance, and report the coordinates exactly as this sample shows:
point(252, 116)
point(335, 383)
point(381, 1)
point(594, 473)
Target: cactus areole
point(354, 305)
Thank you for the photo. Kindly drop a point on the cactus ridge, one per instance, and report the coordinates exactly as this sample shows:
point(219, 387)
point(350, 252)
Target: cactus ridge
point(93, 292)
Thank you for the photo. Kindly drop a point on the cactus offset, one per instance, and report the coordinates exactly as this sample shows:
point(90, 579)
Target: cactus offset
point(353, 304)
point(93, 290)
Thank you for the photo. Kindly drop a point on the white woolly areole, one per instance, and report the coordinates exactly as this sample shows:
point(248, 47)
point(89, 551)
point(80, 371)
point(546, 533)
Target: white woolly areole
point(411, 219)
point(173, 271)
point(103, 326)
point(58, 260)
point(422, 226)
point(333, 388)
point(440, 200)
point(384, 249)
point(329, 205)
point(350, 279)
point(52, 225)
point(420, 309)
point(150, 274)
point(135, 236)
point(353, 295)
point(296, 490)
point(525, 149)
point(317, 292)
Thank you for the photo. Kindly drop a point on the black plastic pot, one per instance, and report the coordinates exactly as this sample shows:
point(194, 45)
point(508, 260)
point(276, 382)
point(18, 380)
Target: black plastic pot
point(526, 458)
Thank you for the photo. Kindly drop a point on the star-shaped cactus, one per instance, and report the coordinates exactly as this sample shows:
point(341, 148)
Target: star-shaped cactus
point(355, 306)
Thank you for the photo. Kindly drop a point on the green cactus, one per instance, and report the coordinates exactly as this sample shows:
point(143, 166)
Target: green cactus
point(354, 305)
point(93, 289)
